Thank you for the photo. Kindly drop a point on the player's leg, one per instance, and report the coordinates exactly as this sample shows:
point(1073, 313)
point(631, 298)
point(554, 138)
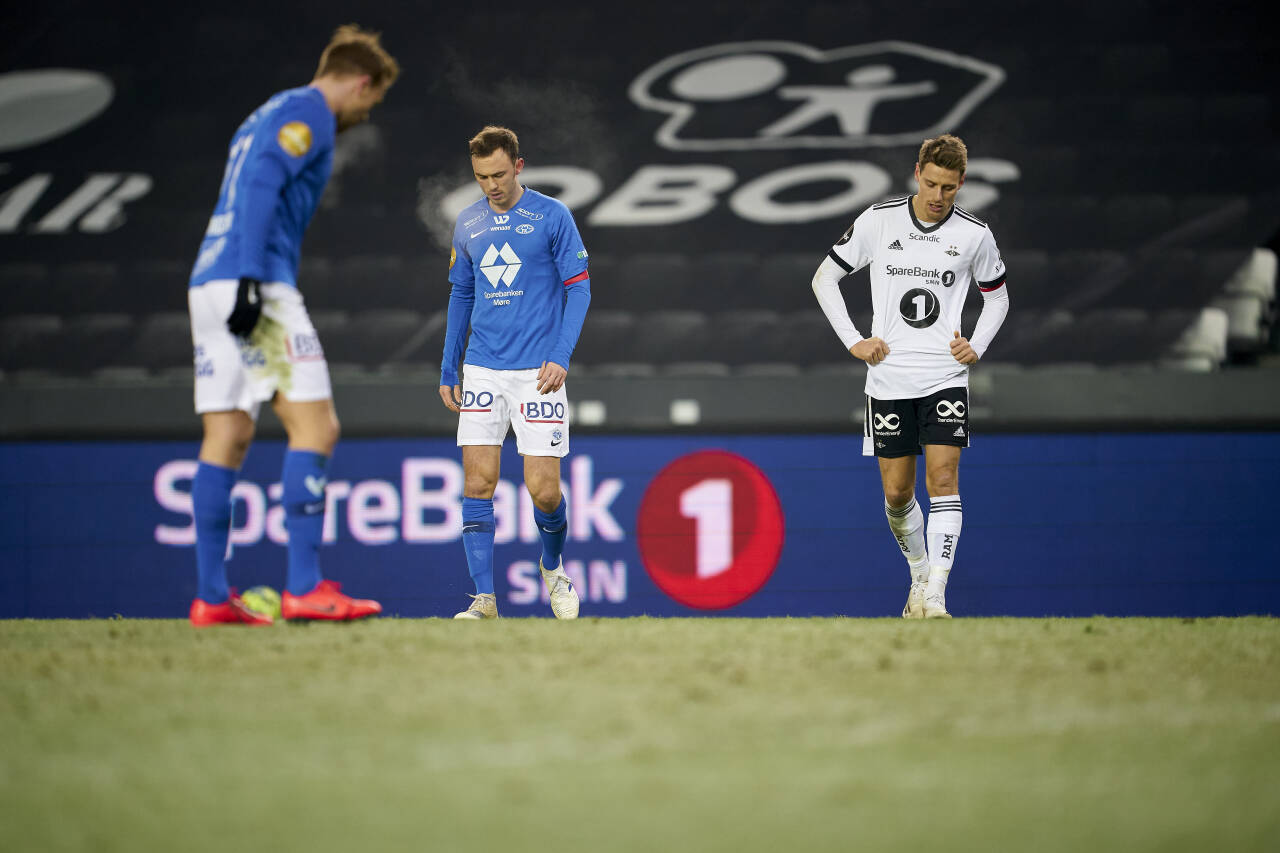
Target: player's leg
point(946, 517)
point(944, 430)
point(483, 422)
point(541, 423)
point(227, 436)
point(293, 359)
point(227, 402)
point(892, 429)
point(542, 478)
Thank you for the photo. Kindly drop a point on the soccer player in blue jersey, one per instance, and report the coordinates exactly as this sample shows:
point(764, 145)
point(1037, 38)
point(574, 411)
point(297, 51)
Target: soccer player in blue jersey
point(518, 271)
point(253, 339)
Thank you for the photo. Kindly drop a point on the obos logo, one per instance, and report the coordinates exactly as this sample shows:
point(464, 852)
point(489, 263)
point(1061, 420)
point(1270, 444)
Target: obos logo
point(710, 529)
point(779, 94)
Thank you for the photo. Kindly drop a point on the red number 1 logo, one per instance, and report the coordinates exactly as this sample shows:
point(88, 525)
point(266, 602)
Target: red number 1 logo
point(710, 529)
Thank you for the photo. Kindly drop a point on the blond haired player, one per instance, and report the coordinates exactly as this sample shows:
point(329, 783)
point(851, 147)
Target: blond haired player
point(924, 251)
point(253, 339)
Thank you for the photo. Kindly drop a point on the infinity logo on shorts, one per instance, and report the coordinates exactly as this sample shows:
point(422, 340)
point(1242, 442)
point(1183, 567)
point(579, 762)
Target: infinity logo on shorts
point(889, 421)
point(948, 410)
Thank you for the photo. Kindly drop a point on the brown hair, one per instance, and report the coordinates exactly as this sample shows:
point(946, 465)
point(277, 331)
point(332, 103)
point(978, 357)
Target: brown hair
point(353, 51)
point(946, 152)
point(494, 138)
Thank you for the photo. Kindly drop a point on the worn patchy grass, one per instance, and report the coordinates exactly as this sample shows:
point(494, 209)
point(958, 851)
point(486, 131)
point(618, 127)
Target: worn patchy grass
point(641, 734)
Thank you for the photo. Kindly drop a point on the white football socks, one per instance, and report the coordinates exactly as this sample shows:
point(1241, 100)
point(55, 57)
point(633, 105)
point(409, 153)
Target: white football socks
point(946, 517)
point(907, 524)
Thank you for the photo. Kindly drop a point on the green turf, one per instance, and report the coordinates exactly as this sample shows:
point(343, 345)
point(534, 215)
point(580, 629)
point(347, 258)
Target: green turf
point(642, 735)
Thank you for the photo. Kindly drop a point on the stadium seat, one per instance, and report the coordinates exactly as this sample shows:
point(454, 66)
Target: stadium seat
point(1130, 221)
point(726, 280)
point(1029, 281)
point(82, 286)
point(804, 338)
point(162, 340)
point(666, 336)
point(656, 281)
point(606, 336)
point(25, 288)
point(785, 278)
point(95, 340)
point(738, 335)
point(694, 369)
point(1202, 347)
point(30, 341)
point(424, 347)
point(152, 285)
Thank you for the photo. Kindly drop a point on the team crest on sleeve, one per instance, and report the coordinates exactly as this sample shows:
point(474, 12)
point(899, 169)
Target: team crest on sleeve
point(295, 138)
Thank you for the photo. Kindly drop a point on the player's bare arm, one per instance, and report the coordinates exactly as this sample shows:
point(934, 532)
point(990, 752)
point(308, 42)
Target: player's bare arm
point(551, 377)
point(870, 350)
point(452, 397)
point(962, 351)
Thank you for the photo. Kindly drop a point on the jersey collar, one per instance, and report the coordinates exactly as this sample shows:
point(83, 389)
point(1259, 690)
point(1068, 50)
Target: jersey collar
point(920, 226)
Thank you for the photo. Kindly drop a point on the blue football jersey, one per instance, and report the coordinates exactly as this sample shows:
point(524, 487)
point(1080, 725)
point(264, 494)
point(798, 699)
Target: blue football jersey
point(277, 168)
point(518, 263)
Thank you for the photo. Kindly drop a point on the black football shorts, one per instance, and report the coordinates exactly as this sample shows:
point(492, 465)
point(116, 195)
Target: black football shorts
point(902, 427)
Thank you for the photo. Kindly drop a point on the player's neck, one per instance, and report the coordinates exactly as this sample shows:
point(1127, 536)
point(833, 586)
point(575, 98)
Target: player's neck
point(333, 91)
point(515, 199)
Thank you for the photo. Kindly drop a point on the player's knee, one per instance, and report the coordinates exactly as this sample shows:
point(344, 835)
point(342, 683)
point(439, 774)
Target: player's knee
point(898, 495)
point(546, 496)
point(478, 485)
point(942, 481)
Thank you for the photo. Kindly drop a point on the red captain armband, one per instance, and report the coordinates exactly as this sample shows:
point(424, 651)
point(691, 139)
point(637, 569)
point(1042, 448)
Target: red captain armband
point(988, 286)
point(582, 276)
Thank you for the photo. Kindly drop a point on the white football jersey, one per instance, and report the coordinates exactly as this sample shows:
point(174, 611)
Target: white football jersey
point(920, 273)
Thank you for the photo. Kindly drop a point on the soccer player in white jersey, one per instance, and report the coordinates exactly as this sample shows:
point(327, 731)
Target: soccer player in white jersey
point(924, 251)
point(253, 339)
point(519, 279)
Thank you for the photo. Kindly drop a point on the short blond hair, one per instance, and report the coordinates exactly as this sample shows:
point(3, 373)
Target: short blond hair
point(353, 51)
point(946, 152)
point(494, 138)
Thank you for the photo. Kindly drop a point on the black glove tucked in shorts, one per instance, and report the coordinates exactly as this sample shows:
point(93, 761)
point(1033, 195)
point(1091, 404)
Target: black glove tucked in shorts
point(248, 308)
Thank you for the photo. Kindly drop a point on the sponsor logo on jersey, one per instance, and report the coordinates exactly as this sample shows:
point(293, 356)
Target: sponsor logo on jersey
point(918, 272)
point(875, 94)
point(295, 138)
point(582, 254)
point(894, 245)
point(528, 214)
point(500, 264)
point(501, 219)
point(524, 228)
point(927, 238)
point(453, 257)
point(473, 220)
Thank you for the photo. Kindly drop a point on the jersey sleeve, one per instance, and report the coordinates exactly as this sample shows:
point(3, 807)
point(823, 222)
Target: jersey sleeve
point(988, 267)
point(461, 269)
point(567, 249)
point(852, 252)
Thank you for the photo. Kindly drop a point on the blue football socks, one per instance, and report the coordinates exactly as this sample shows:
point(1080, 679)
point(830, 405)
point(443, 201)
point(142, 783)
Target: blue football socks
point(304, 477)
point(552, 529)
point(211, 507)
point(477, 541)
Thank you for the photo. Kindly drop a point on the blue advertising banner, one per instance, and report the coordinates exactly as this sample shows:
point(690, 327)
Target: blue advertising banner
point(788, 525)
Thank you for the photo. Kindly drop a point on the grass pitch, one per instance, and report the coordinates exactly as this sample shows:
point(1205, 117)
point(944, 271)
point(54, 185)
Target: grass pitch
point(641, 735)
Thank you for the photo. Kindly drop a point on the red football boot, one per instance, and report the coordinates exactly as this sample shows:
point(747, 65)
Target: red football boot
point(230, 612)
point(326, 602)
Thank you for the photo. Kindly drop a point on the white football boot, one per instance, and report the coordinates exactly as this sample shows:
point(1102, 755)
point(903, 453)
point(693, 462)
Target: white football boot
point(564, 598)
point(935, 606)
point(914, 608)
point(483, 606)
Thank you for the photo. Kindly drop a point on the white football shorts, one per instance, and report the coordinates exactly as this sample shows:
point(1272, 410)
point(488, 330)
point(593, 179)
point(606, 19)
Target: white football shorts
point(492, 399)
point(283, 353)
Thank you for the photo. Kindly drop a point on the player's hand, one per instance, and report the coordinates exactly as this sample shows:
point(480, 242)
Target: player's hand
point(551, 377)
point(870, 350)
point(244, 316)
point(961, 351)
point(452, 397)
